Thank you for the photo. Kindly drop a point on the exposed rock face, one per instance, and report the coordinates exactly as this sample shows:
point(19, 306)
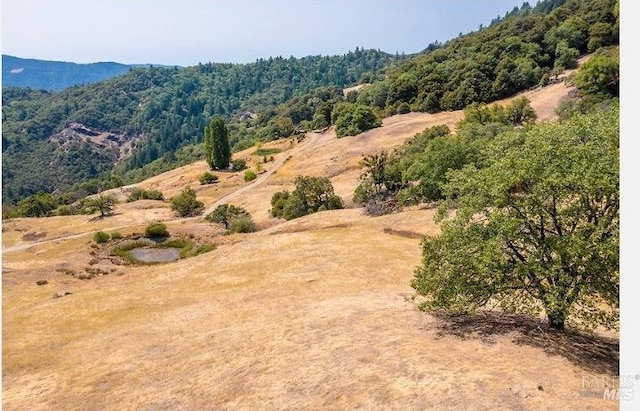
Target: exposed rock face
point(116, 146)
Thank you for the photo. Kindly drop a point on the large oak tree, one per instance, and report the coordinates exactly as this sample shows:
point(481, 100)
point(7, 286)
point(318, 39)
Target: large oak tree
point(536, 230)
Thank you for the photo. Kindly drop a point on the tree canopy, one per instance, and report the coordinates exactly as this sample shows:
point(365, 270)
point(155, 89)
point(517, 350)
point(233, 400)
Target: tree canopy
point(186, 204)
point(101, 202)
point(312, 194)
point(537, 229)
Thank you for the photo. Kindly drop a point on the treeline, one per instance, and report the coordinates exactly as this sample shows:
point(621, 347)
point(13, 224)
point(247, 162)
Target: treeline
point(419, 170)
point(529, 47)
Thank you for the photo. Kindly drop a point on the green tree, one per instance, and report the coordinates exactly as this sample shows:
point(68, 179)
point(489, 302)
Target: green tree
point(380, 177)
point(353, 119)
point(278, 202)
point(101, 202)
point(186, 203)
point(600, 76)
point(537, 229)
point(312, 194)
point(520, 111)
point(216, 144)
point(38, 205)
point(427, 171)
point(225, 214)
point(566, 57)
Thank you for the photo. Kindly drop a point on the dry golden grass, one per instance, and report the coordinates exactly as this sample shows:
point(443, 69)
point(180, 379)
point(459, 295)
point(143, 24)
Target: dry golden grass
point(313, 313)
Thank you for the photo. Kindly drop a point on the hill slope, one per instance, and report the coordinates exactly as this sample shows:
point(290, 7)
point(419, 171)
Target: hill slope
point(312, 313)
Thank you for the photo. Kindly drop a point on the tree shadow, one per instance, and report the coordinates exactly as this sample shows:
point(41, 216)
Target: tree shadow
point(102, 217)
point(589, 351)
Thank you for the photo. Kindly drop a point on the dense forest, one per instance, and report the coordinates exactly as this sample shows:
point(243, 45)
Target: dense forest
point(162, 112)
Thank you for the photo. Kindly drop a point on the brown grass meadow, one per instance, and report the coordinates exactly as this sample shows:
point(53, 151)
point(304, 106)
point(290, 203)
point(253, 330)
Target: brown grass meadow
point(313, 313)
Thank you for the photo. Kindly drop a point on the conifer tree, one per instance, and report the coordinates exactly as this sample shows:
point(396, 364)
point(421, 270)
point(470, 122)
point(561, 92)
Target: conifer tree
point(216, 144)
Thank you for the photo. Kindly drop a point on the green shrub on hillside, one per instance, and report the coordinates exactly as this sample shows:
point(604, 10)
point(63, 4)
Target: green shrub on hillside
point(208, 178)
point(156, 230)
point(186, 204)
point(250, 175)
point(101, 237)
point(234, 219)
point(238, 164)
point(312, 194)
point(137, 193)
point(352, 119)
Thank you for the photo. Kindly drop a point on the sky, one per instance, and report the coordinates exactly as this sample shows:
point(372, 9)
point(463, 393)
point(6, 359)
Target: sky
point(188, 32)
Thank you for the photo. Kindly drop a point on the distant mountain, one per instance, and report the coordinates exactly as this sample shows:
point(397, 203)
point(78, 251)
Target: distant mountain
point(56, 75)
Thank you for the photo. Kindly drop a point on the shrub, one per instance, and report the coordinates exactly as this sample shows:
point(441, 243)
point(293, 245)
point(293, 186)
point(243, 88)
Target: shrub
point(311, 195)
point(205, 248)
point(404, 108)
point(116, 235)
point(238, 164)
point(266, 151)
point(208, 178)
point(225, 214)
point(101, 237)
point(242, 224)
point(137, 193)
point(278, 202)
point(250, 175)
point(66, 210)
point(186, 204)
point(351, 119)
point(156, 230)
point(104, 203)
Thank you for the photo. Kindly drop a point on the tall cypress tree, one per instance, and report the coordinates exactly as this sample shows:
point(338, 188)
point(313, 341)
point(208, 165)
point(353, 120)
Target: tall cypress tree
point(216, 144)
point(208, 146)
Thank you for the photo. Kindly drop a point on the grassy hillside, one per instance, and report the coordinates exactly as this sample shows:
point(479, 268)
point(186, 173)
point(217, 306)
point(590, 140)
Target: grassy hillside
point(311, 313)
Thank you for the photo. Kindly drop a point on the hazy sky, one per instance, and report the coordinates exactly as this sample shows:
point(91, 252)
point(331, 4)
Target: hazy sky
point(187, 32)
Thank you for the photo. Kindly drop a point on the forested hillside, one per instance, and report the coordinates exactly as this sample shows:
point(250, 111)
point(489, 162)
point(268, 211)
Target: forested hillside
point(158, 115)
point(160, 109)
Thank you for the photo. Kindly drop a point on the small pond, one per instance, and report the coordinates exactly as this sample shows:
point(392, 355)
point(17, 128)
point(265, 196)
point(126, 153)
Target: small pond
point(155, 255)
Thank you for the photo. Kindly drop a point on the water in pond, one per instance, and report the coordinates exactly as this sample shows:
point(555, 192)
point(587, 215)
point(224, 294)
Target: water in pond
point(155, 255)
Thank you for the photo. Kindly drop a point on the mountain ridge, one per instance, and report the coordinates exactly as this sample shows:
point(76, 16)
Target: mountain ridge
point(53, 75)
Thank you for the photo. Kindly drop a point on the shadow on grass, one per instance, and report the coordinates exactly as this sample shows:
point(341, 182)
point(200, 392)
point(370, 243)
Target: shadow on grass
point(102, 217)
point(591, 352)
